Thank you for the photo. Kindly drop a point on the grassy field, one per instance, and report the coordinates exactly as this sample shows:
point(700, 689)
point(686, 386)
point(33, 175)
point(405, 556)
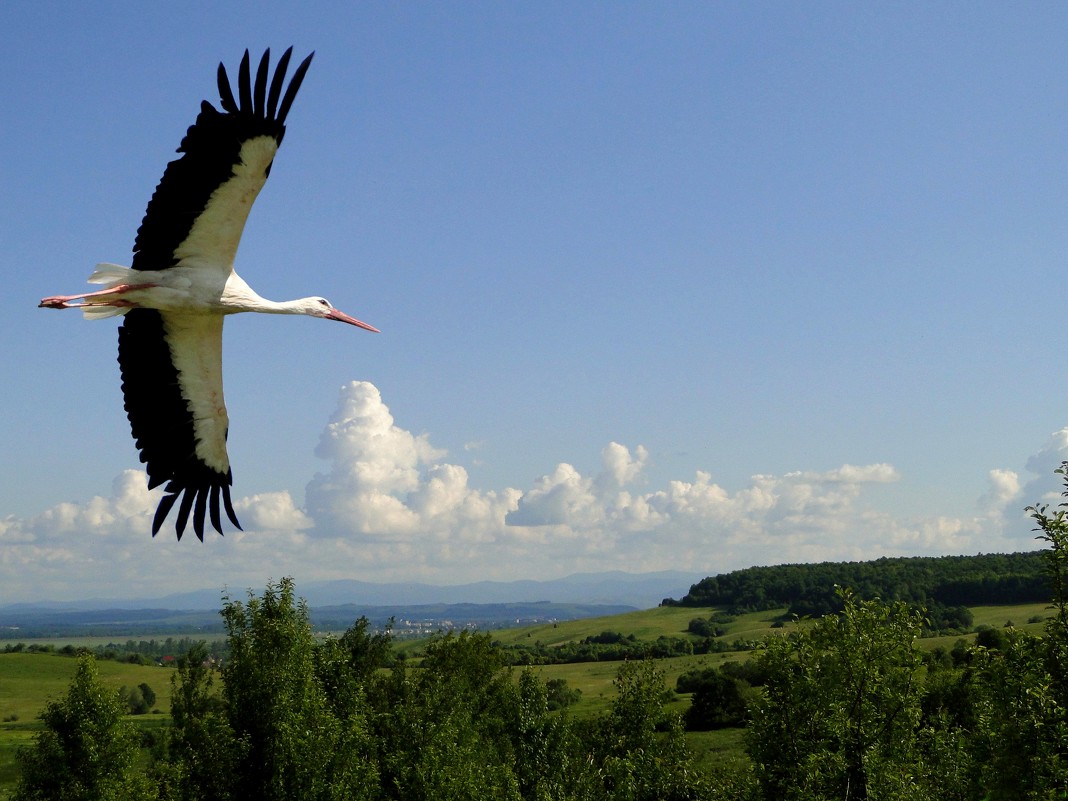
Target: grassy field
point(666, 621)
point(103, 641)
point(29, 680)
point(594, 679)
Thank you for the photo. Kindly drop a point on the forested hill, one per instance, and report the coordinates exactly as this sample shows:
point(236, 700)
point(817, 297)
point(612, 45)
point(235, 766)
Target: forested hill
point(932, 581)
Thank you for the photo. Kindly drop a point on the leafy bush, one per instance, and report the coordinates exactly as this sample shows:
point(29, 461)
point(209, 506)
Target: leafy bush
point(86, 750)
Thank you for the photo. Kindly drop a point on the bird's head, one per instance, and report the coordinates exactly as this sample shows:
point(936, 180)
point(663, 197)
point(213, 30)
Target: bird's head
point(321, 307)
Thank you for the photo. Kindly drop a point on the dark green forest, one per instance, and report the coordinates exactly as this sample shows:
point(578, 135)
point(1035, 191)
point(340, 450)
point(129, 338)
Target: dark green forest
point(929, 581)
point(843, 706)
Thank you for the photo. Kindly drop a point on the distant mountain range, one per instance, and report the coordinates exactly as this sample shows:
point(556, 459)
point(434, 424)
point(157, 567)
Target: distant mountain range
point(484, 603)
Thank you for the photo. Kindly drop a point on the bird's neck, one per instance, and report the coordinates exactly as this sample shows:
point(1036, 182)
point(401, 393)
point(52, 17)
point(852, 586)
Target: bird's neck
point(278, 306)
point(241, 297)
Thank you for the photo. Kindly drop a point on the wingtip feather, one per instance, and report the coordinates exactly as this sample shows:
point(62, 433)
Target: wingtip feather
point(230, 507)
point(261, 83)
point(244, 83)
point(294, 86)
point(213, 509)
point(183, 512)
point(199, 511)
point(226, 93)
point(277, 82)
point(256, 98)
point(162, 511)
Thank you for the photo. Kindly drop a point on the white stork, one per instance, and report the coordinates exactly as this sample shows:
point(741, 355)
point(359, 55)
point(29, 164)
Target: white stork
point(182, 284)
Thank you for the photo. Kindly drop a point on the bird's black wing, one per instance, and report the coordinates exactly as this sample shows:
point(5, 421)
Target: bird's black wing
point(202, 201)
point(176, 413)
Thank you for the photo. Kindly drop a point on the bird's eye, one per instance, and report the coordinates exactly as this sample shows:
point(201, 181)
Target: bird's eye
point(324, 302)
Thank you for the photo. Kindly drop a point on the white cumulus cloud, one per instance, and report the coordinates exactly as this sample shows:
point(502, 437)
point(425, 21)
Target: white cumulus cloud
point(1046, 487)
point(388, 506)
point(387, 485)
point(1003, 489)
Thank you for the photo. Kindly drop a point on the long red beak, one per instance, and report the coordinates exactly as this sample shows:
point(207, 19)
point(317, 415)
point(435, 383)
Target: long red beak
point(341, 317)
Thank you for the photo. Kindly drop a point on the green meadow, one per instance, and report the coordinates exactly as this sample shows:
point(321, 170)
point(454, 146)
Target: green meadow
point(28, 681)
point(663, 621)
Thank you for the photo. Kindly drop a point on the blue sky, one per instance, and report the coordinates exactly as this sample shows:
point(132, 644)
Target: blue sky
point(661, 285)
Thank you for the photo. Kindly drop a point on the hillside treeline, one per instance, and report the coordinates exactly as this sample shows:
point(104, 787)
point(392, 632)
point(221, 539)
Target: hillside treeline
point(932, 582)
point(142, 652)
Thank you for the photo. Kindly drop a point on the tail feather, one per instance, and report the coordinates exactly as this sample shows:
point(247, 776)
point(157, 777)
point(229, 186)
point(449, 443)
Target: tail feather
point(101, 311)
point(105, 273)
point(110, 273)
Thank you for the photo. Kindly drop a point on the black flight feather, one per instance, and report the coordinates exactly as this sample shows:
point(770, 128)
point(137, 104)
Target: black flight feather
point(226, 94)
point(261, 84)
point(294, 85)
point(276, 84)
point(244, 84)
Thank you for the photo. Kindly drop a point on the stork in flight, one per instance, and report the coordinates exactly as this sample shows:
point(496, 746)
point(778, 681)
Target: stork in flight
point(181, 286)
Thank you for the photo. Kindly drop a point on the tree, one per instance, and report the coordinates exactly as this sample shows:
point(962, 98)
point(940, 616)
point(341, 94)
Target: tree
point(639, 745)
point(718, 700)
point(559, 695)
point(202, 747)
point(443, 728)
point(290, 741)
point(548, 761)
point(86, 751)
point(345, 666)
point(1022, 685)
point(139, 699)
point(148, 694)
point(839, 717)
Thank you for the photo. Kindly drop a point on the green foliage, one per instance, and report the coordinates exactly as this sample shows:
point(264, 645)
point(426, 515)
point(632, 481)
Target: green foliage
point(202, 750)
point(1022, 740)
point(345, 666)
point(990, 638)
point(1022, 687)
point(289, 741)
point(548, 763)
point(86, 751)
point(704, 627)
point(149, 652)
point(844, 707)
point(148, 694)
point(639, 745)
point(139, 699)
point(840, 714)
point(718, 701)
point(559, 695)
point(608, 646)
point(297, 719)
point(272, 732)
point(950, 581)
point(442, 728)
point(949, 618)
point(609, 638)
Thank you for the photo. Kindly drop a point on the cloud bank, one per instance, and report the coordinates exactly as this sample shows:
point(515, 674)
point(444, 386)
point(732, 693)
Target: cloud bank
point(390, 506)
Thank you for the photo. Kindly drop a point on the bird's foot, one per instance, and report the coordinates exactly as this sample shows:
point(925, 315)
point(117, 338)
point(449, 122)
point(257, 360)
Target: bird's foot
point(57, 302)
point(112, 293)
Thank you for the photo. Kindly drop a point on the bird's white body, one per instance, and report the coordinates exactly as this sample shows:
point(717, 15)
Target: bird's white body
point(186, 289)
point(182, 285)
